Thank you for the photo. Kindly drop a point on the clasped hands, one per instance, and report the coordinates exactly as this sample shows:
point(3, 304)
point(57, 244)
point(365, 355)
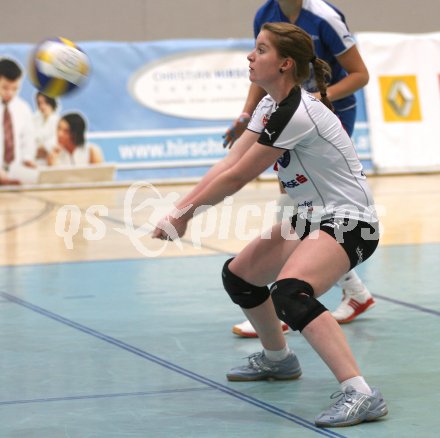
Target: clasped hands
point(173, 225)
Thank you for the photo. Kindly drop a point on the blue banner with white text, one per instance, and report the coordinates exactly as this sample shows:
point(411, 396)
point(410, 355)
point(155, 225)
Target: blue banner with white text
point(159, 109)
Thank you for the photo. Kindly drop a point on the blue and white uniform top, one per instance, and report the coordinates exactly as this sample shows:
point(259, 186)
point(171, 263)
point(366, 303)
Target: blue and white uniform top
point(319, 170)
point(328, 29)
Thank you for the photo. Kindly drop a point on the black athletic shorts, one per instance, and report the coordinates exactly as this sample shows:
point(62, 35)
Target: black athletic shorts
point(359, 239)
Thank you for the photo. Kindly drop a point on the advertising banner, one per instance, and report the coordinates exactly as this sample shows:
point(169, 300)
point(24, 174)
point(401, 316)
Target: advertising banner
point(403, 100)
point(158, 110)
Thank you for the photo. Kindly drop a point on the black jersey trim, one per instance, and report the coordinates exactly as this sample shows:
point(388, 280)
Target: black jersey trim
point(281, 117)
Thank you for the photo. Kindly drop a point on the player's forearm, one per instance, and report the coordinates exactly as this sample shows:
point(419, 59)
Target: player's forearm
point(224, 184)
point(216, 170)
point(347, 86)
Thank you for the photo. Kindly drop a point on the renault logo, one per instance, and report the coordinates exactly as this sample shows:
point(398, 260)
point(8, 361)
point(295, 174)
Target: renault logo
point(401, 98)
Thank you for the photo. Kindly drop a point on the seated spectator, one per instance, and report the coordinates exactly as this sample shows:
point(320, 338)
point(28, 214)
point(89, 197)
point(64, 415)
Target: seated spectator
point(71, 148)
point(45, 122)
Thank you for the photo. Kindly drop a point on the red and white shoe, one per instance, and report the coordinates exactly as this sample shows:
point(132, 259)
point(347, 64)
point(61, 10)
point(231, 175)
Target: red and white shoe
point(246, 330)
point(352, 306)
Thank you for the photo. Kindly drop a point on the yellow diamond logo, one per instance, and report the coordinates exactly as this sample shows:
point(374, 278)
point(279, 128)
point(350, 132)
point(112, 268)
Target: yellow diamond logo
point(400, 98)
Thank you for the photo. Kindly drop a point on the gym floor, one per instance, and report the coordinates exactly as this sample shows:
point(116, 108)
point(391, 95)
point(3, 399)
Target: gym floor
point(123, 336)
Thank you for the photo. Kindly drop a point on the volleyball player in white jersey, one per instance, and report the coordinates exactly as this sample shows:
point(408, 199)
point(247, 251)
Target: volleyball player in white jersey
point(335, 44)
point(334, 230)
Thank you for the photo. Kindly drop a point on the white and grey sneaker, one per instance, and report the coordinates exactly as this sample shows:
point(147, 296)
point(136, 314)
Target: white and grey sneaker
point(261, 368)
point(352, 408)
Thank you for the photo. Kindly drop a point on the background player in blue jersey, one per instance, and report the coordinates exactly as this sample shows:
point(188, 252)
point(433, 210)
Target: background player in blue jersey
point(334, 44)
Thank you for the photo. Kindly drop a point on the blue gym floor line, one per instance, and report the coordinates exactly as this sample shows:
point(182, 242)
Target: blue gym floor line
point(176, 368)
point(409, 305)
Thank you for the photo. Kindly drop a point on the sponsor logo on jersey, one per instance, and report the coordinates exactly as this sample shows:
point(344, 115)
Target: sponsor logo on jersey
point(307, 204)
point(299, 179)
point(400, 98)
point(305, 207)
point(284, 160)
point(269, 134)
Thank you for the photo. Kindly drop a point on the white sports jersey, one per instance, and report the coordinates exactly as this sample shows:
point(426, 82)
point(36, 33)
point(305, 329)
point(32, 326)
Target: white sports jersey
point(320, 169)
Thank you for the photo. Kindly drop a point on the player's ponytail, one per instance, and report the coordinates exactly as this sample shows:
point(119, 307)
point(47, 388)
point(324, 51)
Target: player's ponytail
point(322, 76)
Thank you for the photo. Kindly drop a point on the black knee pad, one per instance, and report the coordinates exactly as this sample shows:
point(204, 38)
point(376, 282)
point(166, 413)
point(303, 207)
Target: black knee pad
point(294, 302)
point(244, 294)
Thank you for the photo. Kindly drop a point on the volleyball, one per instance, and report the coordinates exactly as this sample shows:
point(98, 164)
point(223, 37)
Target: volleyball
point(58, 66)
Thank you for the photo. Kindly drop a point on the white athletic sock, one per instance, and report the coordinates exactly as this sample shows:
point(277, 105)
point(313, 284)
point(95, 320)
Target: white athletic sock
point(276, 356)
point(352, 284)
point(358, 383)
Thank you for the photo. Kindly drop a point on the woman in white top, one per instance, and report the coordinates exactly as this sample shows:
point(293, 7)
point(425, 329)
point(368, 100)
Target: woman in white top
point(72, 148)
point(334, 230)
point(45, 123)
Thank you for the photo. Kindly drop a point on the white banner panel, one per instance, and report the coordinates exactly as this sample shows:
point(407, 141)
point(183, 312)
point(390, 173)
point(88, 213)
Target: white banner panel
point(403, 100)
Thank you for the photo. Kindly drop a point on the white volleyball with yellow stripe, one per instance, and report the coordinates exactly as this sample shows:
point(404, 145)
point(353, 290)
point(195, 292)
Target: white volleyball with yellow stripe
point(58, 66)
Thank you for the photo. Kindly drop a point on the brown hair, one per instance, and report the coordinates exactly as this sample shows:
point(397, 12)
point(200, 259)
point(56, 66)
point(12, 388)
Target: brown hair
point(49, 100)
point(293, 42)
point(77, 126)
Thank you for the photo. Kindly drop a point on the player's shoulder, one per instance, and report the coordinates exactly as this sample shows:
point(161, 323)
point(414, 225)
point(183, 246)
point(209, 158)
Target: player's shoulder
point(266, 8)
point(323, 19)
point(323, 13)
point(287, 110)
point(268, 12)
point(323, 9)
point(265, 105)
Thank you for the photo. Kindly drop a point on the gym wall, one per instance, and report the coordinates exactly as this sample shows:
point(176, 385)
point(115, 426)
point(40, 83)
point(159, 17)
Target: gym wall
point(28, 21)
